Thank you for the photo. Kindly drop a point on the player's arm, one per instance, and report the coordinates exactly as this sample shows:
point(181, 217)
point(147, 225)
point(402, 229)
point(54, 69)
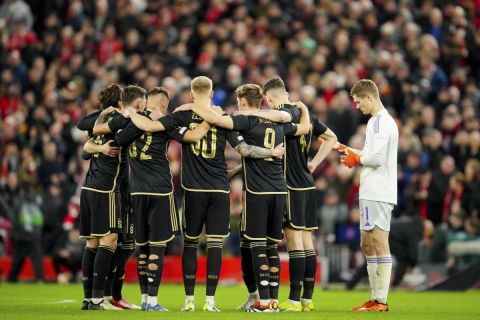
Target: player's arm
point(271, 115)
point(304, 123)
point(212, 117)
point(107, 148)
point(378, 154)
point(329, 140)
point(101, 126)
point(233, 172)
point(249, 151)
point(197, 134)
point(128, 135)
point(144, 123)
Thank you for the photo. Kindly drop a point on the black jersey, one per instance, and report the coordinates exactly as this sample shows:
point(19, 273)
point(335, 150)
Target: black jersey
point(294, 112)
point(106, 174)
point(204, 167)
point(88, 122)
point(262, 175)
point(296, 155)
point(147, 156)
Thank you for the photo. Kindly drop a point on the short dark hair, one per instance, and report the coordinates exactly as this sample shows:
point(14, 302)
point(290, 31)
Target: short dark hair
point(131, 93)
point(158, 90)
point(109, 96)
point(252, 93)
point(274, 83)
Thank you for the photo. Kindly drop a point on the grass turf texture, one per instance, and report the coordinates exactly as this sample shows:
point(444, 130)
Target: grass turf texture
point(52, 301)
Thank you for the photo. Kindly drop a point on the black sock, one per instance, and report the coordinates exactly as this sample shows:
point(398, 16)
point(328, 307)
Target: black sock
point(142, 268)
point(155, 268)
point(247, 266)
point(101, 267)
point(124, 253)
point(260, 268)
point(310, 271)
point(189, 266)
point(111, 273)
point(87, 268)
point(214, 265)
point(296, 266)
point(274, 269)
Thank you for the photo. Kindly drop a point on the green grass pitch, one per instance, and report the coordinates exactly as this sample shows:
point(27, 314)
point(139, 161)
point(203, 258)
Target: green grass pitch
point(52, 301)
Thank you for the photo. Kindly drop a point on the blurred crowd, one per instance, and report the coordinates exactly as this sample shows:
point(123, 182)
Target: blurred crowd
point(424, 56)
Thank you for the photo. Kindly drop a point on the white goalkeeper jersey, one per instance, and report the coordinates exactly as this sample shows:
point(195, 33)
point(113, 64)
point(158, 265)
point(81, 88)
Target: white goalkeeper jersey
point(378, 180)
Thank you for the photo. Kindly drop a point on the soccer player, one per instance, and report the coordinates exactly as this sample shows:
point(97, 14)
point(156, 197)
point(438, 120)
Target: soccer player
point(156, 221)
point(113, 290)
point(99, 220)
point(265, 190)
point(378, 189)
point(300, 217)
point(204, 179)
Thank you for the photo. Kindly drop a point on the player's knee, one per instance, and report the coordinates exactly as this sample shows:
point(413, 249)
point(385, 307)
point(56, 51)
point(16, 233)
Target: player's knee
point(274, 269)
point(153, 257)
point(152, 266)
point(264, 267)
point(92, 243)
point(142, 256)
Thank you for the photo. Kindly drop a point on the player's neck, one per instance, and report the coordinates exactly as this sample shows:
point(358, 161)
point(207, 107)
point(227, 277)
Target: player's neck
point(377, 108)
point(203, 101)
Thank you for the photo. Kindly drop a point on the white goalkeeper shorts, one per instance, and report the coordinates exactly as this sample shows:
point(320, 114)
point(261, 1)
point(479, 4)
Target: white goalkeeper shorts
point(375, 213)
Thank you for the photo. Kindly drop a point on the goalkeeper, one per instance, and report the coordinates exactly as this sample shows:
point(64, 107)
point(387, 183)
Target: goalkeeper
point(378, 189)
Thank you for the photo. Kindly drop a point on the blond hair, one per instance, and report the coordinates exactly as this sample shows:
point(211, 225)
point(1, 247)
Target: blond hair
point(252, 93)
point(201, 85)
point(364, 87)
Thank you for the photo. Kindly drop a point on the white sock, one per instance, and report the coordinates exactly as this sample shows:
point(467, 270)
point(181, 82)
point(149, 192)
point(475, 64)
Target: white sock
point(293, 301)
point(254, 294)
point(144, 297)
point(372, 274)
point(210, 300)
point(306, 301)
point(189, 298)
point(384, 272)
point(152, 300)
point(87, 299)
point(107, 298)
point(264, 302)
point(97, 300)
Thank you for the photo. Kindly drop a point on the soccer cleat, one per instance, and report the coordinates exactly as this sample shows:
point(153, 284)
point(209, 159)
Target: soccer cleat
point(124, 304)
point(249, 302)
point(364, 306)
point(257, 307)
point(274, 306)
point(289, 306)
point(107, 305)
point(378, 307)
point(188, 306)
point(156, 307)
point(144, 305)
point(96, 306)
point(85, 305)
point(307, 306)
point(210, 307)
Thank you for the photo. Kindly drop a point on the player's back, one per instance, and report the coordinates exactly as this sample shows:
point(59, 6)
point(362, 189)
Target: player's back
point(106, 173)
point(204, 167)
point(262, 175)
point(380, 183)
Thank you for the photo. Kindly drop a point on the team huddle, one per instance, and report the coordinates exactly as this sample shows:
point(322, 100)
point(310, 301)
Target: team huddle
point(120, 210)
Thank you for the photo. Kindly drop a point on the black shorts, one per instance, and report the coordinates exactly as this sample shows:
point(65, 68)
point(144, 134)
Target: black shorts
point(156, 219)
point(301, 213)
point(100, 213)
point(262, 216)
point(209, 208)
point(128, 232)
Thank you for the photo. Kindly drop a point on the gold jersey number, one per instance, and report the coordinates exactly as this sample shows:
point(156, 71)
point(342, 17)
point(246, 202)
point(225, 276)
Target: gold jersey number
point(132, 150)
point(203, 145)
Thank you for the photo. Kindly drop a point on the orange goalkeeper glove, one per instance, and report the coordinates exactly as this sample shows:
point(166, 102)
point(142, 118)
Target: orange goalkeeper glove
point(349, 157)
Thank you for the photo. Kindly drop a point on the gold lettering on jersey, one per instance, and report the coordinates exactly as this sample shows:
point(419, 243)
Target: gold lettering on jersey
point(269, 141)
point(119, 224)
point(266, 121)
point(209, 141)
point(196, 117)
